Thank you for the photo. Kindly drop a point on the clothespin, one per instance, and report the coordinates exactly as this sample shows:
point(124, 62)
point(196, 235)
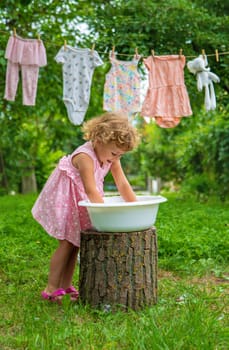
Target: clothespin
point(38, 37)
point(113, 51)
point(136, 52)
point(14, 30)
point(92, 49)
point(180, 53)
point(217, 55)
point(152, 53)
point(203, 53)
point(65, 45)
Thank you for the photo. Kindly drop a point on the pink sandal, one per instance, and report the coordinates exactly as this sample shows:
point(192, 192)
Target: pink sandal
point(74, 294)
point(55, 296)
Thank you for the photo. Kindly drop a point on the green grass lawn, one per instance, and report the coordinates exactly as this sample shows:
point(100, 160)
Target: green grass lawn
point(192, 308)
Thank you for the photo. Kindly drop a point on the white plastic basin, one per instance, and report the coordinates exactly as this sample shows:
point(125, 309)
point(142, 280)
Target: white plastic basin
point(116, 215)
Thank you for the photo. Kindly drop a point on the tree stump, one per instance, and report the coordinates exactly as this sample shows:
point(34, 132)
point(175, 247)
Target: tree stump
point(118, 270)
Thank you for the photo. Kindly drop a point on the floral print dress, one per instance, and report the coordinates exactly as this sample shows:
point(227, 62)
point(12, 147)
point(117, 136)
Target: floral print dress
point(122, 86)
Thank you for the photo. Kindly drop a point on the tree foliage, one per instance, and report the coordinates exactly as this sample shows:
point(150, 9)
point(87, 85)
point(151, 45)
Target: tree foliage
point(34, 137)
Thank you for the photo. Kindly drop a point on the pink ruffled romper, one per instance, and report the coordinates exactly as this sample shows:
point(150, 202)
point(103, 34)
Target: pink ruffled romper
point(26, 55)
point(167, 99)
point(56, 208)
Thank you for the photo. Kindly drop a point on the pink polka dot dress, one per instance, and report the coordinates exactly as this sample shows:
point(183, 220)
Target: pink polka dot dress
point(56, 208)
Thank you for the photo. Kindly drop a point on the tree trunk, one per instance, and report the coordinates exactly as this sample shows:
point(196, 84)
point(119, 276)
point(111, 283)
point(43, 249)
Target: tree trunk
point(118, 269)
point(28, 182)
point(3, 176)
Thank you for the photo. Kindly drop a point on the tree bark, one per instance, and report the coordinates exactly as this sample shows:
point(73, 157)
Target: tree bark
point(3, 176)
point(118, 270)
point(28, 182)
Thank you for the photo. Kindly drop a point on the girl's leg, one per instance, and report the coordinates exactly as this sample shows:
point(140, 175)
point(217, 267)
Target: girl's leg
point(69, 269)
point(58, 264)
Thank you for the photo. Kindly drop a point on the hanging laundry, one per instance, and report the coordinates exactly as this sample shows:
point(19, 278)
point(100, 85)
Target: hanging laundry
point(167, 99)
point(26, 55)
point(122, 86)
point(78, 67)
point(205, 80)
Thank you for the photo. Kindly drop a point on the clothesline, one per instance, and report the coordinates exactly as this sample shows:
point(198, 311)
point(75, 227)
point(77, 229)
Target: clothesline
point(167, 102)
point(216, 54)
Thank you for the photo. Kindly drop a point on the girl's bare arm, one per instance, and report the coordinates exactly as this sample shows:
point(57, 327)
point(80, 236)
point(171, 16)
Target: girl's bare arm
point(122, 183)
point(85, 166)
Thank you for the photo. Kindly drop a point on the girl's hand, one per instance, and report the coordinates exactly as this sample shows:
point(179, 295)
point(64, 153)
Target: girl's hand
point(122, 183)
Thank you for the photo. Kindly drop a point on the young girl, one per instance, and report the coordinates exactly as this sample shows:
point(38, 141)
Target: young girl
point(80, 176)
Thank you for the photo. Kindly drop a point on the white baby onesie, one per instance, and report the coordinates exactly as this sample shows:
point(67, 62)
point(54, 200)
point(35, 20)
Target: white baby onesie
point(78, 68)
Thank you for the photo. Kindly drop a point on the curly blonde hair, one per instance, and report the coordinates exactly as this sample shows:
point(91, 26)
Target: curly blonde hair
point(111, 127)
